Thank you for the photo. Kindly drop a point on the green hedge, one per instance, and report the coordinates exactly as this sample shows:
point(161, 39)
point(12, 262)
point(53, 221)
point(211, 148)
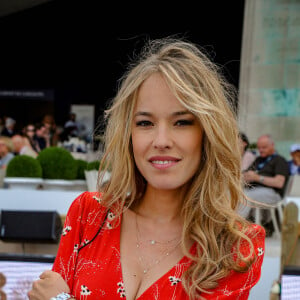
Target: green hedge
point(57, 163)
point(24, 166)
point(82, 165)
point(93, 165)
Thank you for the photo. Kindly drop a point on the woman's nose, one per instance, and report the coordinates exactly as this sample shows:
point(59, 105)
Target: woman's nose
point(162, 137)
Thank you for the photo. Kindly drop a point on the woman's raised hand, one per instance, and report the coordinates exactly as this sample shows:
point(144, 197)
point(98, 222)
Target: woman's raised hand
point(49, 285)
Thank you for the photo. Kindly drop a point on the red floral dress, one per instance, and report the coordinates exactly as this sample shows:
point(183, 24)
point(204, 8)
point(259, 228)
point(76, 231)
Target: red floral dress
point(93, 269)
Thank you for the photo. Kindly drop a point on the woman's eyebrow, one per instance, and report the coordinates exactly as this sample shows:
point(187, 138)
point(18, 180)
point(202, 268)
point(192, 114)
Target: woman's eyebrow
point(176, 113)
point(142, 113)
point(180, 113)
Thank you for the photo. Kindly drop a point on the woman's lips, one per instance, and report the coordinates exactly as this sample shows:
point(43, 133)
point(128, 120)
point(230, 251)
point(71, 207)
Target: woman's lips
point(163, 162)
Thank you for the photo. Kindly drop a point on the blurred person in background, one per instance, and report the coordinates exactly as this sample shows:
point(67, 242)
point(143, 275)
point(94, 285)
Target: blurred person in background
point(266, 178)
point(9, 127)
point(6, 151)
point(294, 163)
point(71, 126)
point(41, 137)
point(29, 132)
point(22, 146)
point(1, 124)
point(49, 122)
point(248, 156)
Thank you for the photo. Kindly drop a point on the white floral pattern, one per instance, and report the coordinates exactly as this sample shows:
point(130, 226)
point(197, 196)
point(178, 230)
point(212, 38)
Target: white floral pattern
point(66, 230)
point(84, 242)
point(121, 290)
point(111, 216)
point(76, 246)
point(98, 199)
point(95, 271)
point(260, 251)
point(85, 291)
point(174, 280)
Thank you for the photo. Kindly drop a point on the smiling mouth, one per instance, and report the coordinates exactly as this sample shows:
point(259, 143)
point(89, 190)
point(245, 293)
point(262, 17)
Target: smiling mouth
point(163, 162)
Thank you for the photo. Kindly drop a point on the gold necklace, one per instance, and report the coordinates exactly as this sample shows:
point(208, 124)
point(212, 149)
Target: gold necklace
point(165, 253)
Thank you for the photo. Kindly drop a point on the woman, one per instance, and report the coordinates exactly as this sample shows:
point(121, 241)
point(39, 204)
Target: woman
point(248, 157)
point(166, 225)
point(29, 132)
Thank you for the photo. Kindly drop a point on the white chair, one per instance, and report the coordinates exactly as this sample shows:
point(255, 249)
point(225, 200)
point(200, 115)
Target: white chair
point(279, 207)
point(295, 187)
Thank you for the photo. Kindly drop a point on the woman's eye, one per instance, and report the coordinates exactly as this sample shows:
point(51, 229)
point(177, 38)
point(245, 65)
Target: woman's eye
point(184, 122)
point(144, 123)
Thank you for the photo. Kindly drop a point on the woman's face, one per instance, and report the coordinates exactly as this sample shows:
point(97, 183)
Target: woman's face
point(30, 131)
point(166, 137)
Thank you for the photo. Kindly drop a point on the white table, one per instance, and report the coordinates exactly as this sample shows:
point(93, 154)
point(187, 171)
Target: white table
point(44, 200)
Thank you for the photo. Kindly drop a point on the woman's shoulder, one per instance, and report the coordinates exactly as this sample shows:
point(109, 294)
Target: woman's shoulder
point(88, 201)
point(253, 227)
point(89, 197)
point(256, 234)
point(86, 210)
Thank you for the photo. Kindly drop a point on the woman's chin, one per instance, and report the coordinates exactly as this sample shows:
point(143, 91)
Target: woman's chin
point(165, 186)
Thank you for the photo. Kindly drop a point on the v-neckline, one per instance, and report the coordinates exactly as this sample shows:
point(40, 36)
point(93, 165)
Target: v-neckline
point(181, 261)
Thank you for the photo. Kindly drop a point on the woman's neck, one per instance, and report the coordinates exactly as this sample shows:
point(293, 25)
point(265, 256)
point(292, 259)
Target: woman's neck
point(160, 205)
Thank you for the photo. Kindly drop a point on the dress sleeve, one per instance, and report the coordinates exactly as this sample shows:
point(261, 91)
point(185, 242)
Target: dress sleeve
point(254, 272)
point(237, 285)
point(82, 221)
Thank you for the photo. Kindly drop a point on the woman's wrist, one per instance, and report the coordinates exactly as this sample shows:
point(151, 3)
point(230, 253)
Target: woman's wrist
point(62, 296)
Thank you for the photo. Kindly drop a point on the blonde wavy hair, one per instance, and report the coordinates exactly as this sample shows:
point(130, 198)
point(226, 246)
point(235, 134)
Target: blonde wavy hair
point(215, 191)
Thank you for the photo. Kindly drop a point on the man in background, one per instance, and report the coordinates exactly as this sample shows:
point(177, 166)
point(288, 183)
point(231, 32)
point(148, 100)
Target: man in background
point(41, 137)
point(9, 128)
point(22, 146)
point(266, 177)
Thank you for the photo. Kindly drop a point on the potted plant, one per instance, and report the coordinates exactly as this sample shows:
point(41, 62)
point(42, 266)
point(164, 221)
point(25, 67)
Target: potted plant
point(92, 175)
point(60, 170)
point(81, 167)
point(23, 172)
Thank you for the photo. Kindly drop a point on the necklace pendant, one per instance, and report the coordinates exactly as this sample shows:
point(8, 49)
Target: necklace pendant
point(145, 271)
point(152, 242)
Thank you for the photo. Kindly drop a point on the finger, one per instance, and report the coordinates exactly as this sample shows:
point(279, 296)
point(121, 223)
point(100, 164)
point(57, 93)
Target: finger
point(46, 274)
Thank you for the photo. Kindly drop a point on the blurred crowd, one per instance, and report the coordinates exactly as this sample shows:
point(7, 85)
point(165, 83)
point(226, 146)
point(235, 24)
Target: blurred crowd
point(249, 155)
point(34, 137)
point(267, 177)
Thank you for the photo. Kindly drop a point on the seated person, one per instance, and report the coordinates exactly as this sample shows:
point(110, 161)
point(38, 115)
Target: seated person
point(266, 178)
point(71, 126)
point(6, 151)
point(22, 146)
point(248, 156)
point(9, 128)
point(53, 130)
point(294, 163)
point(41, 137)
point(29, 132)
